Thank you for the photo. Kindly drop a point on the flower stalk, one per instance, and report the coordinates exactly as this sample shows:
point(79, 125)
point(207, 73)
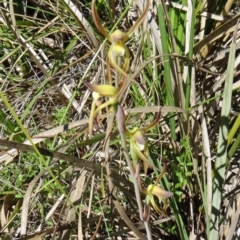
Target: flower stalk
point(118, 58)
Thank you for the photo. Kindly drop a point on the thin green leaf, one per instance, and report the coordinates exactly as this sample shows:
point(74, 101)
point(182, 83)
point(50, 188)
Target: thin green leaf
point(220, 165)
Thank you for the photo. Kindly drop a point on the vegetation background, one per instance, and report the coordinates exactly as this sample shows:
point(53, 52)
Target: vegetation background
point(185, 55)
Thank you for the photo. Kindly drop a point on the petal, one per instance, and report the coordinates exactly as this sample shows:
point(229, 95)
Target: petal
point(159, 192)
point(121, 120)
point(97, 22)
point(118, 50)
point(95, 96)
point(118, 36)
point(142, 157)
point(134, 153)
point(139, 137)
point(156, 208)
point(139, 146)
point(154, 123)
point(104, 89)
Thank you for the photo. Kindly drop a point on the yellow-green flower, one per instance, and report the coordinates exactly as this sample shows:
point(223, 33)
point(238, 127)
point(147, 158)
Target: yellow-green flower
point(138, 143)
point(118, 40)
point(99, 91)
point(138, 148)
point(153, 191)
point(156, 190)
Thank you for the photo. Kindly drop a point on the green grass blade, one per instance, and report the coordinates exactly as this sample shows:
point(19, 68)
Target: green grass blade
point(167, 70)
point(234, 147)
point(234, 129)
point(220, 165)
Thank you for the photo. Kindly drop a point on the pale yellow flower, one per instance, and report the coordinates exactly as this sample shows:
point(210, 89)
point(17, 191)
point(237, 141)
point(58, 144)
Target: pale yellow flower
point(154, 191)
point(99, 91)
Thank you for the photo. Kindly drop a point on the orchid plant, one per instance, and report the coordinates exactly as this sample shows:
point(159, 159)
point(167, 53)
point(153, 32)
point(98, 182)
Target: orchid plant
point(138, 146)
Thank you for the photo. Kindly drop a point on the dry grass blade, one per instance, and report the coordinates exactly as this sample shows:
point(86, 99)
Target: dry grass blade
point(35, 56)
point(80, 227)
point(126, 219)
point(234, 222)
point(75, 196)
point(217, 33)
point(91, 196)
point(3, 219)
point(224, 13)
point(52, 210)
point(36, 238)
point(82, 22)
point(118, 179)
point(207, 155)
point(164, 110)
point(10, 154)
point(26, 202)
